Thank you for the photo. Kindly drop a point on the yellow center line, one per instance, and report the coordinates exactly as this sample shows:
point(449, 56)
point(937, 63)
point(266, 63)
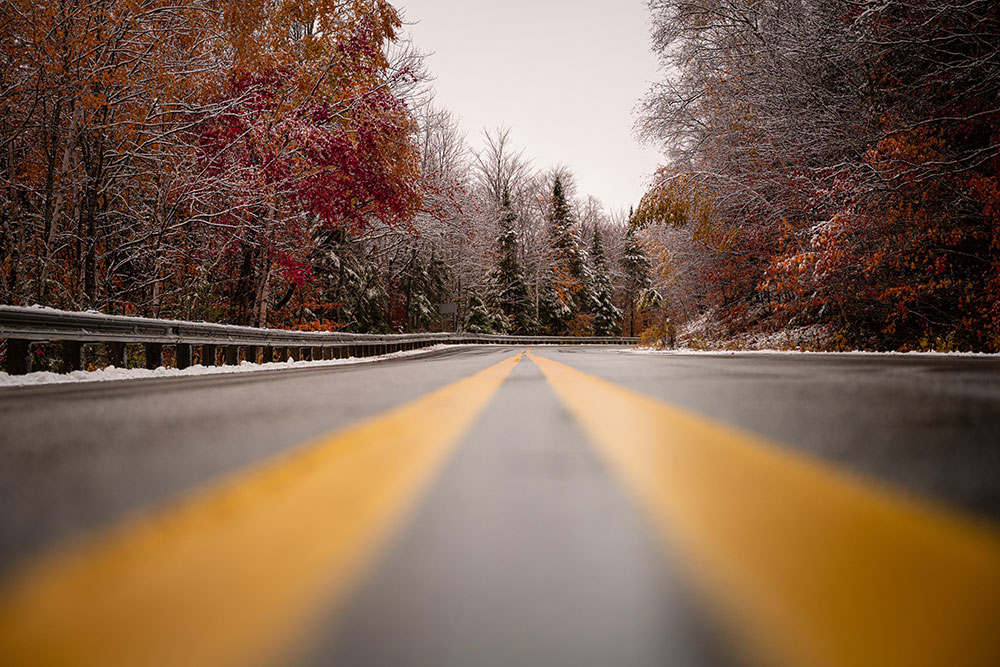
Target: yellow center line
point(236, 573)
point(811, 565)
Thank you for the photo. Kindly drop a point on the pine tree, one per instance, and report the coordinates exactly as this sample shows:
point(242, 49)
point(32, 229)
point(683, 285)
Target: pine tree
point(607, 316)
point(637, 268)
point(567, 299)
point(479, 318)
point(424, 283)
point(508, 290)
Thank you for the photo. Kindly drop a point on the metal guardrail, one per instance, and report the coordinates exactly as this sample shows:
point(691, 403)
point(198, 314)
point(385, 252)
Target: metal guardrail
point(21, 327)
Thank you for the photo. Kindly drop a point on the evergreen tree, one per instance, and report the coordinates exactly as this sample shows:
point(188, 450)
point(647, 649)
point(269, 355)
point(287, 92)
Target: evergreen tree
point(607, 316)
point(567, 295)
point(637, 268)
point(508, 291)
point(424, 283)
point(479, 319)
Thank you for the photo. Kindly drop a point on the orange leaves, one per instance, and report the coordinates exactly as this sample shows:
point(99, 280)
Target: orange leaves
point(904, 154)
point(677, 200)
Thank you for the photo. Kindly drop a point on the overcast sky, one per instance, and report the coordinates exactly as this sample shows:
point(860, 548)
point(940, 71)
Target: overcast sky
point(564, 75)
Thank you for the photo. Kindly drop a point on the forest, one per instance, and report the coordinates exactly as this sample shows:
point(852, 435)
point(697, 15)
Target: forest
point(829, 178)
point(833, 168)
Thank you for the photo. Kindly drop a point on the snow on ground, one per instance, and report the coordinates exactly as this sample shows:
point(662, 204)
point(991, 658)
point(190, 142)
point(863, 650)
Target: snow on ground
point(111, 373)
point(723, 352)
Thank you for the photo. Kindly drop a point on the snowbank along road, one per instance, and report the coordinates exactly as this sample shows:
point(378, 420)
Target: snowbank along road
point(489, 506)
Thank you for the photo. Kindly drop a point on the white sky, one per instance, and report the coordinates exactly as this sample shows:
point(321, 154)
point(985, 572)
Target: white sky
point(564, 75)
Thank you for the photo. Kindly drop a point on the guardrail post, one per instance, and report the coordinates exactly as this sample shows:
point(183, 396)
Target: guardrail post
point(294, 353)
point(72, 356)
point(268, 354)
point(209, 355)
point(251, 353)
point(154, 355)
point(232, 355)
point(183, 353)
point(17, 356)
point(117, 354)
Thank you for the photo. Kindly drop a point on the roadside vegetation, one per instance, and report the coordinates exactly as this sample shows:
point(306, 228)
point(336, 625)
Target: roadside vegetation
point(832, 175)
point(830, 178)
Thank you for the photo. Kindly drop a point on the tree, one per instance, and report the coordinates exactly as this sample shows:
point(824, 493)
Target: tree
point(852, 192)
point(569, 300)
point(607, 316)
point(480, 319)
point(508, 291)
point(636, 267)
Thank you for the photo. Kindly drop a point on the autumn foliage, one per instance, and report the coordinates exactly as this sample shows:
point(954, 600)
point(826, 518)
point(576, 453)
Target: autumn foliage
point(182, 158)
point(837, 168)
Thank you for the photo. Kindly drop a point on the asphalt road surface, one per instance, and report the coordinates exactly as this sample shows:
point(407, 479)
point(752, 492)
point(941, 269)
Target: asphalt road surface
point(496, 506)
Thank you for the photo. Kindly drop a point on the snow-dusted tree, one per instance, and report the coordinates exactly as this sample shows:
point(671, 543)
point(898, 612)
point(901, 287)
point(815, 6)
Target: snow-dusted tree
point(636, 269)
point(499, 168)
point(607, 316)
point(422, 285)
point(508, 291)
point(480, 319)
point(568, 298)
point(837, 163)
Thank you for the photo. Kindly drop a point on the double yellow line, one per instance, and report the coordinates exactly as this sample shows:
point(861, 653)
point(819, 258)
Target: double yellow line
point(810, 565)
point(235, 574)
point(813, 567)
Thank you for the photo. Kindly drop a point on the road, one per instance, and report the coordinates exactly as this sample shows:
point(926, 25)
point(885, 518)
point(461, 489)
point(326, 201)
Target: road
point(497, 506)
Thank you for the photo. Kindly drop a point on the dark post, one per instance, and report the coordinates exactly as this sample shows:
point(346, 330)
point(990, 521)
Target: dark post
point(268, 355)
point(251, 353)
point(208, 355)
point(72, 356)
point(154, 355)
point(117, 356)
point(232, 355)
point(17, 356)
point(294, 353)
point(183, 355)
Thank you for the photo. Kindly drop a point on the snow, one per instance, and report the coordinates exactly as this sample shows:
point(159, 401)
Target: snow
point(111, 373)
point(752, 352)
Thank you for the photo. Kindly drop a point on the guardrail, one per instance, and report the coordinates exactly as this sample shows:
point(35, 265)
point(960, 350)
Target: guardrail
point(215, 343)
